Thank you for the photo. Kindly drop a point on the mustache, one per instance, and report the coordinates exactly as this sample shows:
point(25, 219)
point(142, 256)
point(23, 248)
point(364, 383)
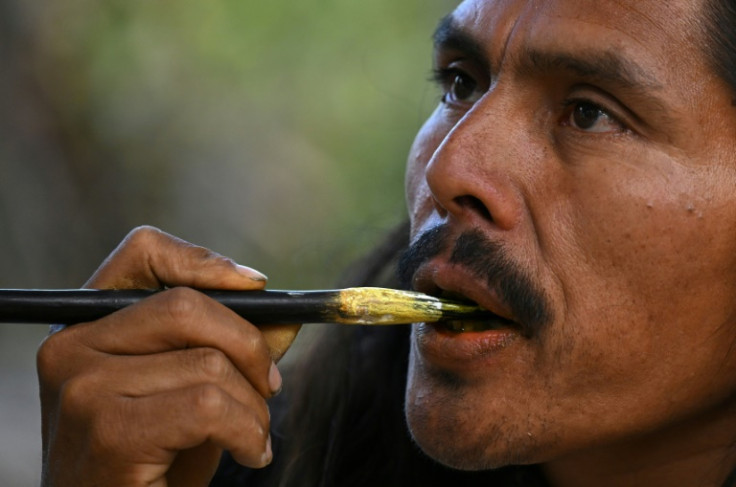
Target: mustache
point(489, 262)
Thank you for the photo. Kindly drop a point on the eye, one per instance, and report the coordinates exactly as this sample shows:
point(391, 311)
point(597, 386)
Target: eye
point(462, 87)
point(590, 117)
point(458, 87)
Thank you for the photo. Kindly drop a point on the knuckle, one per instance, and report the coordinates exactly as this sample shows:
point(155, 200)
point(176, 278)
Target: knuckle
point(203, 253)
point(260, 431)
point(221, 260)
point(48, 357)
point(265, 415)
point(139, 243)
point(213, 364)
point(181, 303)
point(262, 419)
point(257, 430)
point(210, 403)
point(52, 356)
point(210, 257)
point(257, 440)
point(75, 396)
point(142, 236)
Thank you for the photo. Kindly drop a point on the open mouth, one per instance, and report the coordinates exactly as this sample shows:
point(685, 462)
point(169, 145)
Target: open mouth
point(490, 320)
point(465, 326)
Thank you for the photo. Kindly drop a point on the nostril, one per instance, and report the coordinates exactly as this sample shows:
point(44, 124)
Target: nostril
point(474, 205)
point(441, 211)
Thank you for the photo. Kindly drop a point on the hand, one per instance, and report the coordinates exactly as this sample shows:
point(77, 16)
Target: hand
point(151, 394)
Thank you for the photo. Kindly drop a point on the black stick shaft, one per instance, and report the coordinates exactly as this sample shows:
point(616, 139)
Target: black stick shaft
point(75, 306)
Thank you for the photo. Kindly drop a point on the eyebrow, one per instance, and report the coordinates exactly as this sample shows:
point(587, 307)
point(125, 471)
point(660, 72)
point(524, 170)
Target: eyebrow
point(448, 36)
point(605, 67)
point(602, 66)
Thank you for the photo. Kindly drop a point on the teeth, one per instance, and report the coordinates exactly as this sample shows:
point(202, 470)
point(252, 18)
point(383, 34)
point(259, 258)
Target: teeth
point(461, 326)
point(456, 326)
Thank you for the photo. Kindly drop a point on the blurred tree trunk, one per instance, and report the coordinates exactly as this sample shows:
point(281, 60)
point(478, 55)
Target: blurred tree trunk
point(58, 200)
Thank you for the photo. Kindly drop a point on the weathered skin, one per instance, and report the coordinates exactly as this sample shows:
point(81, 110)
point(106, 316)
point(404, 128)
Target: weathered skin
point(151, 395)
point(623, 214)
point(615, 198)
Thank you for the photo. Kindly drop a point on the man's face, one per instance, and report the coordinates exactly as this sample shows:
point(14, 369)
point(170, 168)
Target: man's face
point(584, 157)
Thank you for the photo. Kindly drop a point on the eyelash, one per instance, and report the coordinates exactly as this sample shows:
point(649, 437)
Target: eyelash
point(441, 76)
point(445, 78)
point(570, 105)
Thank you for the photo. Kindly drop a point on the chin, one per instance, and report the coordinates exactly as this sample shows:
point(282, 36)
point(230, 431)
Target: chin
point(464, 449)
point(449, 429)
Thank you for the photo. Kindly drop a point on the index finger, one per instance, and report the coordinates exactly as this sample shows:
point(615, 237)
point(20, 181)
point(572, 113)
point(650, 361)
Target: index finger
point(176, 319)
point(149, 258)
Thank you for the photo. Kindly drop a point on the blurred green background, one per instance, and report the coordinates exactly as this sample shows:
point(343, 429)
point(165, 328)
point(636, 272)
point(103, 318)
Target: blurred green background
point(273, 132)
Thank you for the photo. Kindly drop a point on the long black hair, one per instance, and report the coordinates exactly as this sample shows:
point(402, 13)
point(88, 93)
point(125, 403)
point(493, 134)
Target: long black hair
point(340, 421)
point(344, 425)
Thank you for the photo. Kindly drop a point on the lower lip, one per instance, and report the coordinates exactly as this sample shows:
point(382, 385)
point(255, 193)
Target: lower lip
point(459, 349)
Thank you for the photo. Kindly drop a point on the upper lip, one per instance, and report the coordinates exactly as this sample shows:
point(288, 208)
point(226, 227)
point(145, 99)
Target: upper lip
point(443, 279)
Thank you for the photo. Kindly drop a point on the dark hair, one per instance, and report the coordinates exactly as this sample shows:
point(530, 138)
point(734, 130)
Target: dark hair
point(345, 425)
point(720, 47)
point(720, 39)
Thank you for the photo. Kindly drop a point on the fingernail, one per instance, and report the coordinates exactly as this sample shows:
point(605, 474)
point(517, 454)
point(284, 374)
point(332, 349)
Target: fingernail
point(251, 274)
point(268, 454)
point(274, 379)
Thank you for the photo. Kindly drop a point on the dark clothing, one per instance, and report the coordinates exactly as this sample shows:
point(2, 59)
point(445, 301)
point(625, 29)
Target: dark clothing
point(231, 474)
point(358, 436)
point(340, 420)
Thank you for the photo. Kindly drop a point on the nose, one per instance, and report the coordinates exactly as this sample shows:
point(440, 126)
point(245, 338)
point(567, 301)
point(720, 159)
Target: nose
point(472, 175)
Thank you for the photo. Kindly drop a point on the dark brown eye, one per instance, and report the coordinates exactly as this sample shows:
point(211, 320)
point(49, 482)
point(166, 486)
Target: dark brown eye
point(589, 117)
point(463, 87)
point(585, 115)
point(459, 88)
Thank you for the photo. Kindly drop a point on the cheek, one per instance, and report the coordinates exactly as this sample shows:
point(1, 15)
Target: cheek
point(418, 196)
point(642, 269)
point(648, 237)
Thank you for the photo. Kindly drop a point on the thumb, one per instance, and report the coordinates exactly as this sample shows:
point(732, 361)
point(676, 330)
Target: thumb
point(149, 258)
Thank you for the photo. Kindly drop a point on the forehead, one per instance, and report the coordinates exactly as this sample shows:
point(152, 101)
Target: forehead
point(664, 36)
point(637, 18)
point(656, 48)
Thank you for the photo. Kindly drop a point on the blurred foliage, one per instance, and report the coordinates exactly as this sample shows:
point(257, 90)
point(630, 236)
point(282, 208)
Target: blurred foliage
point(274, 132)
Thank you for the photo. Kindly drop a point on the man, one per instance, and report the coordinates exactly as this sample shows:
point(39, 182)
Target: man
point(576, 180)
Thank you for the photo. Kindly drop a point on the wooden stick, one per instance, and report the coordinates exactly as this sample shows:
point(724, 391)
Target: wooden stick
point(352, 306)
